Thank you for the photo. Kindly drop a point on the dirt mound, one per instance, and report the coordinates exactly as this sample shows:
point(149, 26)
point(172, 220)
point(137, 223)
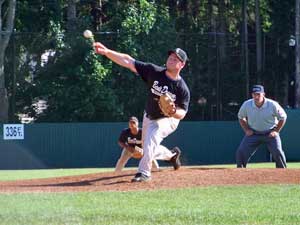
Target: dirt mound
point(164, 179)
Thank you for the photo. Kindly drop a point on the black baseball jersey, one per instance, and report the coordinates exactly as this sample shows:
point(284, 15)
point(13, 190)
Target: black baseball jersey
point(132, 140)
point(159, 83)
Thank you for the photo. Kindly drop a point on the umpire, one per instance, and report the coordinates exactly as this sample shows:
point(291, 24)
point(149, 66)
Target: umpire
point(261, 119)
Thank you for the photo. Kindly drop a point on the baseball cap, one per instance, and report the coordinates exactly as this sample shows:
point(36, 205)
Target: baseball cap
point(179, 53)
point(134, 119)
point(258, 89)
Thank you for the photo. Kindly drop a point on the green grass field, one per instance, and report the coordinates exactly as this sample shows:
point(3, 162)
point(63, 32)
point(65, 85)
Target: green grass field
point(6, 175)
point(261, 204)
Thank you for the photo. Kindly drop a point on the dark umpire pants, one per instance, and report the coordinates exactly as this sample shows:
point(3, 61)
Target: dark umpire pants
point(250, 144)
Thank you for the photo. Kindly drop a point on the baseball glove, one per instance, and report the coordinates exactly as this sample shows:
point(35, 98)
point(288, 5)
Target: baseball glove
point(137, 153)
point(166, 105)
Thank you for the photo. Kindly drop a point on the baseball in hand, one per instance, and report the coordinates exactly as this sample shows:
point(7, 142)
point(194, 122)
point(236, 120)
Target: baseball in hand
point(88, 34)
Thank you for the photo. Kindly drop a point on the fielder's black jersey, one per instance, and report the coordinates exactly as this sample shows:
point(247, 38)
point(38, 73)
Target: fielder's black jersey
point(131, 139)
point(159, 83)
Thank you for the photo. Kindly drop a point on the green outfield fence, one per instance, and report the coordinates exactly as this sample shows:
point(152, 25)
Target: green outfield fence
point(88, 145)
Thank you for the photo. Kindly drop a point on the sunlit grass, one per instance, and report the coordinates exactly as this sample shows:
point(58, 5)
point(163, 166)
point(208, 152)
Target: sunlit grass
point(291, 165)
point(262, 204)
point(46, 173)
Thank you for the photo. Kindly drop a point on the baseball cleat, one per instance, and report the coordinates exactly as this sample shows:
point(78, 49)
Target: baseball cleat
point(139, 177)
point(175, 160)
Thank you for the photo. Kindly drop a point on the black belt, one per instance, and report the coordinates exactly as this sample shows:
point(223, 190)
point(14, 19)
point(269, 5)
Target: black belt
point(150, 117)
point(262, 132)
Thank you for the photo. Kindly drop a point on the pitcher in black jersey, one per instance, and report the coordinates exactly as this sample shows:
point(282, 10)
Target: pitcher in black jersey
point(156, 126)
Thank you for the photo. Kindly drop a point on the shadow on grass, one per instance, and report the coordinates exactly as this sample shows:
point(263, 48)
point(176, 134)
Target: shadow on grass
point(82, 182)
point(112, 179)
point(209, 168)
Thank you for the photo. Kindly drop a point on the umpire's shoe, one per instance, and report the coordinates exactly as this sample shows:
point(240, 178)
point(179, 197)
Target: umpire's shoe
point(139, 177)
point(175, 160)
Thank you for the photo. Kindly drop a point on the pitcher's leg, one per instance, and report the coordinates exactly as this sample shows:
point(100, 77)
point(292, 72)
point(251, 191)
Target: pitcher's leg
point(145, 125)
point(275, 147)
point(246, 149)
point(155, 165)
point(163, 153)
point(153, 133)
point(151, 141)
point(125, 156)
point(166, 127)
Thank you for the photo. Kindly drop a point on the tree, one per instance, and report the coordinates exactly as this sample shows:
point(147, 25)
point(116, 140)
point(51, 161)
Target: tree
point(6, 28)
point(221, 47)
point(258, 41)
point(245, 62)
point(71, 15)
point(74, 88)
point(297, 60)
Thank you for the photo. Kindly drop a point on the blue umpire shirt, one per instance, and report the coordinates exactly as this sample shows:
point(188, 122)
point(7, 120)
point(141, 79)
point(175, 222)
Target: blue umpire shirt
point(264, 118)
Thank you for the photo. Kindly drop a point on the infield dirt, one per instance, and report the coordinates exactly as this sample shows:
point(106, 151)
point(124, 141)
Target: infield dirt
point(167, 178)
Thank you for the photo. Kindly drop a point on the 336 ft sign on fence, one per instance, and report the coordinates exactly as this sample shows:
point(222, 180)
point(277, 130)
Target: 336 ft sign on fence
point(13, 131)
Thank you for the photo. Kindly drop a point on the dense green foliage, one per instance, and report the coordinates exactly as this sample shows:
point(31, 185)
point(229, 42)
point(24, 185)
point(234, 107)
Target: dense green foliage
point(79, 86)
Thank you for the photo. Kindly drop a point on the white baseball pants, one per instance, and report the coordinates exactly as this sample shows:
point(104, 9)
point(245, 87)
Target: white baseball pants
point(154, 131)
point(125, 156)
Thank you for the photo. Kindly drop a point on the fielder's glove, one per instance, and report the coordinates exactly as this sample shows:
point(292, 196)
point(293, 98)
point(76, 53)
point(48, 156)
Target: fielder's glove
point(137, 153)
point(167, 105)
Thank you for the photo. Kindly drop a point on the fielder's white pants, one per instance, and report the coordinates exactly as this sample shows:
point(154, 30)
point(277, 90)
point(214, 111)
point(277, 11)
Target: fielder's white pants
point(154, 131)
point(125, 156)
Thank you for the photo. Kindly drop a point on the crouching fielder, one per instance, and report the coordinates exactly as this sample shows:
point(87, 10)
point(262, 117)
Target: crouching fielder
point(130, 141)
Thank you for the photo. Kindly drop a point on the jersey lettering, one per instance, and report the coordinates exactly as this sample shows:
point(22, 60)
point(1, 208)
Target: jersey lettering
point(160, 90)
point(133, 141)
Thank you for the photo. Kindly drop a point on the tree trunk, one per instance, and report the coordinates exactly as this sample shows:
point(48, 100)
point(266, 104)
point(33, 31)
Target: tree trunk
point(3, 92)
point(245, 63)
point(71, 15)
point(211, 58)
point(222, 54)
point(297, 55)
point(172, 5)
point(5, 30)
point(258, 42)
point(223, 31)
point(12, 98)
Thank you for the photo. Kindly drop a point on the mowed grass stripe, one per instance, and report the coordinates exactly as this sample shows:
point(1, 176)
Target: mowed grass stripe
point(263, 204)
point(9, 175)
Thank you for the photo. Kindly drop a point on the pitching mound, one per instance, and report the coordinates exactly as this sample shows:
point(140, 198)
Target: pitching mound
point(165, 179)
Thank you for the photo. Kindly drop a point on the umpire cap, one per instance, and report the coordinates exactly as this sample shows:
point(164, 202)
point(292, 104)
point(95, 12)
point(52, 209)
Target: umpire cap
point(258, 89)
